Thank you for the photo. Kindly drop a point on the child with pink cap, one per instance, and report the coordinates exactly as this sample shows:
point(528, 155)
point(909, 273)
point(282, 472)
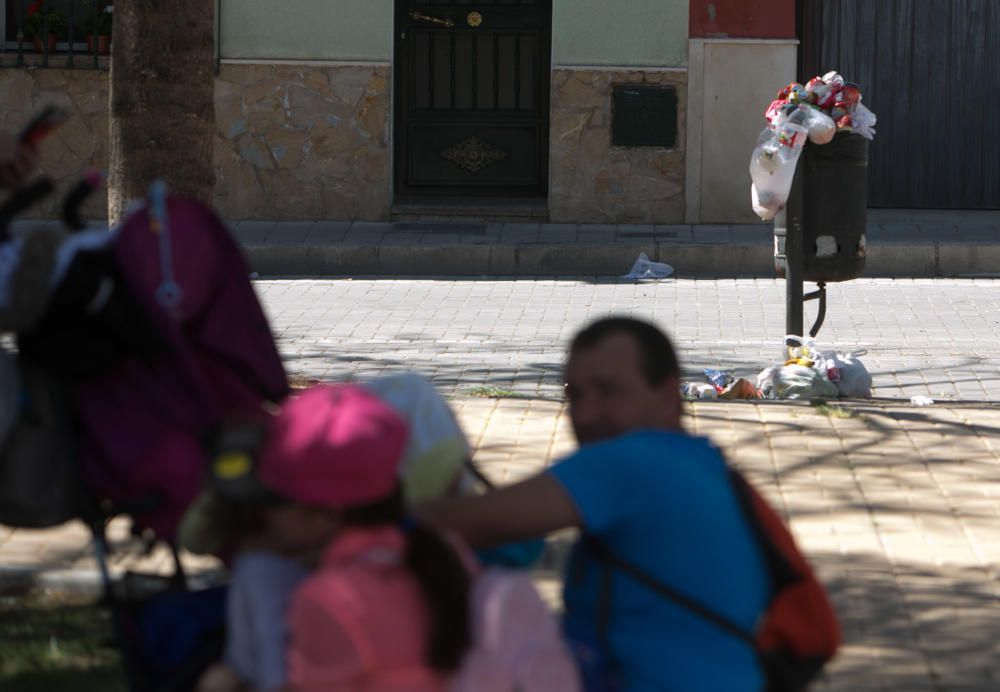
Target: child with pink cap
point(392, 604)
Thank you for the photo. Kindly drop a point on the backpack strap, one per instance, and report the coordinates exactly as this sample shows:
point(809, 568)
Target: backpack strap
point(780, 570)
point(604, 555)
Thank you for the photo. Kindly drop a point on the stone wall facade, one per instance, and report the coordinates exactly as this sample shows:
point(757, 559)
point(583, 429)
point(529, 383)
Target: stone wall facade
point(80, 143)
point(303, 142)
point(292, 141)
point(591, 181)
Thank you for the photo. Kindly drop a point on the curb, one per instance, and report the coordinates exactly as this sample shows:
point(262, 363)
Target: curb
point(746, 259)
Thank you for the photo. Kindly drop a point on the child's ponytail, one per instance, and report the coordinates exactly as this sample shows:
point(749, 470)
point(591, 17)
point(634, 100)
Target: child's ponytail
point(445, 583)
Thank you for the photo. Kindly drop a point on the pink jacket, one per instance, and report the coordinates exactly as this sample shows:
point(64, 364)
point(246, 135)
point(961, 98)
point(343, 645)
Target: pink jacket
point(359, 624)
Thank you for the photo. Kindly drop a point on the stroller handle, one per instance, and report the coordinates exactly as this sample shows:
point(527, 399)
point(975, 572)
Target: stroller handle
point(20, 200)
point(92, 179)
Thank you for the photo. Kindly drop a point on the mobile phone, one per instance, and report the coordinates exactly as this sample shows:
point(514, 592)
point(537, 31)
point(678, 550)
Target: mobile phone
point(42, 125)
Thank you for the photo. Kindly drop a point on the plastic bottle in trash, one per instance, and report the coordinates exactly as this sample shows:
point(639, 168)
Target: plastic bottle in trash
point(794, 131)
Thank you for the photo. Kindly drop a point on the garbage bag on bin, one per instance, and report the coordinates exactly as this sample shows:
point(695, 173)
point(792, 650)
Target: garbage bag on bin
point(772, 168)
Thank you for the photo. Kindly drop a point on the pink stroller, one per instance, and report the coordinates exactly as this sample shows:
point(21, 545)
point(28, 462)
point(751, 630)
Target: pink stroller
point(147, 338)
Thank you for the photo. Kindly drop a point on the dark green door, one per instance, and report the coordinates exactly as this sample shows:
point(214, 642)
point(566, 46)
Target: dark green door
point(930, 70)
point(472, 97)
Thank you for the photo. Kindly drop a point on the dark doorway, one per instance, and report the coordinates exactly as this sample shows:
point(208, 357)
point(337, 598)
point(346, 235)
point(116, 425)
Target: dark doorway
point(931, 73)
point(472, 98)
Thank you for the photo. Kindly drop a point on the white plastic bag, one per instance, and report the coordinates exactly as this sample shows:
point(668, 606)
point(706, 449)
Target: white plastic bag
point(864, 121)
point(645, 268)
point(820, 125)
point(772, 168)
point(796, 346)
point(800, 382)
point(765, 383)
point(848, 374)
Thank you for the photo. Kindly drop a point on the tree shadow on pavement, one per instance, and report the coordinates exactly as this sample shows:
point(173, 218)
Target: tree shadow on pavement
point(896, 507)
point(911, 626)
point(916, 450)
point(532, 364)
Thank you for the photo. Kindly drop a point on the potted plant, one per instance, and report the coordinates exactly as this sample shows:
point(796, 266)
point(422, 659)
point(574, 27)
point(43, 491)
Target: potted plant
point(98, 18)
point(39, 21)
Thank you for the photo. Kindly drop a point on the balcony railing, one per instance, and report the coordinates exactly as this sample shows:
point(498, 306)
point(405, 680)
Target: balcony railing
point(56, 33)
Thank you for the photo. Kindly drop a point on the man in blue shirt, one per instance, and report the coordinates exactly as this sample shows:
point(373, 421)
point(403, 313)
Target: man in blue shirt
point(653, 496)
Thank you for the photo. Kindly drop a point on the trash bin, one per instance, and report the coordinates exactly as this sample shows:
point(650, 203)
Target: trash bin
point(829, 196)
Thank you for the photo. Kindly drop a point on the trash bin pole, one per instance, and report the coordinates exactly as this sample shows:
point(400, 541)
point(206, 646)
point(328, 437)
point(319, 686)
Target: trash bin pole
point(791, 217)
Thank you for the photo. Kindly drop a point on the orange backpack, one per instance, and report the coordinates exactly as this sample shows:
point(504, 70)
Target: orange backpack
point(798, 632)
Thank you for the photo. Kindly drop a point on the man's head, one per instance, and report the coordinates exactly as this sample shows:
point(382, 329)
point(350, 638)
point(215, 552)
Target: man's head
point(622, 376)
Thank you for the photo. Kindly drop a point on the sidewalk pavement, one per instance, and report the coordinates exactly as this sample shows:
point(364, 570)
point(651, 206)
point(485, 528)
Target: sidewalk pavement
point(897, 508)
point(900, 244)
point(931, 337)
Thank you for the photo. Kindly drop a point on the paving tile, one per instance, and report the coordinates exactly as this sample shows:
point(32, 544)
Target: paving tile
point(253, 231)
point(711, 234)
point(290, 233)
point(328, 232)
point(558, 233)
point(520, 232)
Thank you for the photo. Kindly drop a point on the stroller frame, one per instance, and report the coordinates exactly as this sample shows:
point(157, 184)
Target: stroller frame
point(96, 516)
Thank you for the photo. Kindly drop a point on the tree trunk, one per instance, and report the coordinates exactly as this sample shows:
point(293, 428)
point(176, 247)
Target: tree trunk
point(162, 100)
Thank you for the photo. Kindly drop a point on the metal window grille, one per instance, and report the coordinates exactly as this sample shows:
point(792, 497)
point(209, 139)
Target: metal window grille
point(63, 34)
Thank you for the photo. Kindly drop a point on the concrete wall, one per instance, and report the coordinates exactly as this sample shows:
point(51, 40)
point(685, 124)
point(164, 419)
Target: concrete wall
point(740, 53)
point(630, 33)
point(731, 83)
point(307, 29)
point(585, 32)
point(742, 18)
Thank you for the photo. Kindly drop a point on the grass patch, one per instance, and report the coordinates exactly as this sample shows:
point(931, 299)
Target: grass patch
point(50, 644)
point(832, 410)
point(302, 382)
point(490, 392)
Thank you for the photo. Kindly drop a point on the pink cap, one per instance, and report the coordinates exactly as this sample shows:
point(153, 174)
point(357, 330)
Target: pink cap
point(333, 446)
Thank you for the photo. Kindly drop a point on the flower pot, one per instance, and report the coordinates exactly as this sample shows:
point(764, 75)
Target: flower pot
point(103, 44)
point(40, 45)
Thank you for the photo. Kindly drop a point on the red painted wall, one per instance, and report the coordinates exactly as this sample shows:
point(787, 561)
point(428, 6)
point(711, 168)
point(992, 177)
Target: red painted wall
point(742, 18)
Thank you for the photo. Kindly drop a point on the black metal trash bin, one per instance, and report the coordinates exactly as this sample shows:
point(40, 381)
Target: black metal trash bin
point(828, 201)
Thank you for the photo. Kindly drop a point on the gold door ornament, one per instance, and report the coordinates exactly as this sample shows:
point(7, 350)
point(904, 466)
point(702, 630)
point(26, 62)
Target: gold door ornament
point(473, 154)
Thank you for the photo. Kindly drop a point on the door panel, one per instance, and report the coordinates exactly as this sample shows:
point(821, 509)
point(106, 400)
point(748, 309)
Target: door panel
point(472, 96)
point(460, 154)
point(930, 70)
